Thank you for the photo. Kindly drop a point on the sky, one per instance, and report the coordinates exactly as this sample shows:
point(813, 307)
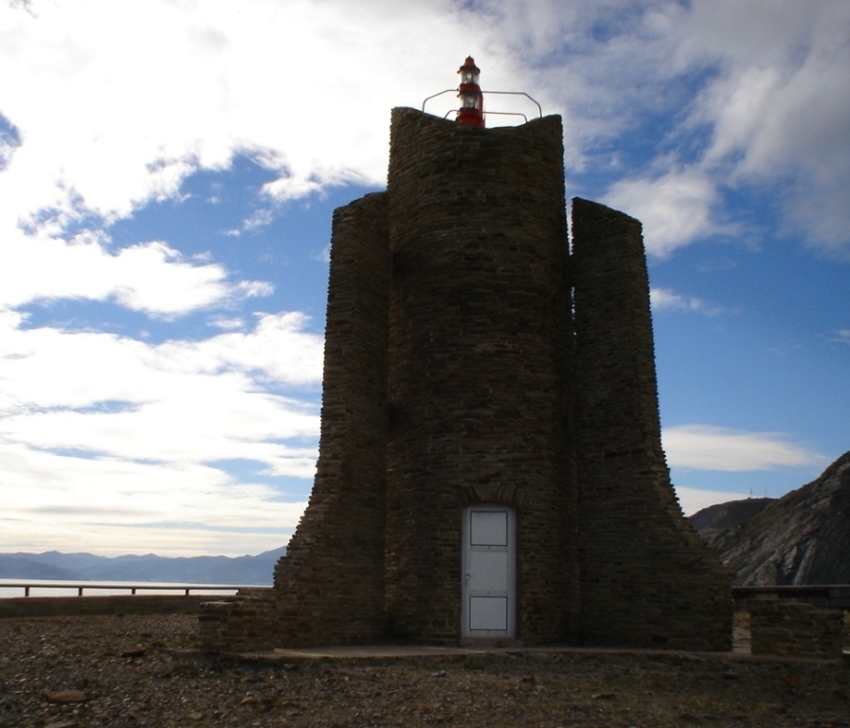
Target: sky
point(168, 172)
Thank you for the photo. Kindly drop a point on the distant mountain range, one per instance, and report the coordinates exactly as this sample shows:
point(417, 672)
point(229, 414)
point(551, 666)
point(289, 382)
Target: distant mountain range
point(242, 570)
point(801, 538)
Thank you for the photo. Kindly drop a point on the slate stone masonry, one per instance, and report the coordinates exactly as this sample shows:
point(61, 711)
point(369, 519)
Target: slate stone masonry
point(479, 337)
point(796, 629)
point(470, 359)
point(339, 546)
point(647, 579)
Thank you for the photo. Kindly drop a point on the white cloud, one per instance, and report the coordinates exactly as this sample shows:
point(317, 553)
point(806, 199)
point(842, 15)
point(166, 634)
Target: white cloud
point(695, 499)
point(749, 97)
point(189, 428)
point(705, 447)
point(108, 539)
point(675, 208)
point(288, 188)
point(842, 336)
point(45, 369)
point(113, 506)
point(226, 323)
point(115, 104)
point(663, 299)
point(305, 88)
point(150, 277)
point(108, 431)
point(279, 348)
point(778, 106)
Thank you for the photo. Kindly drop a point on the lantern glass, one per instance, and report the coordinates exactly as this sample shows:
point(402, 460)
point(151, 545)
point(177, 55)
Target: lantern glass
point(467, 75)
point(469, 100)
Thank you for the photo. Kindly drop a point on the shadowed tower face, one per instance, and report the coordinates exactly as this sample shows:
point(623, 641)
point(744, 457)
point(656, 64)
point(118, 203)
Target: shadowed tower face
point(490, 461)
point(479, 344)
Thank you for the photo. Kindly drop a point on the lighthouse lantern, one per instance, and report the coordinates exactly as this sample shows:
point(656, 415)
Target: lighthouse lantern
point(469, 92)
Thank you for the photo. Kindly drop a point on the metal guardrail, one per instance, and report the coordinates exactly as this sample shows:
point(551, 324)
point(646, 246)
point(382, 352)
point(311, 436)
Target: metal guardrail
point(491, 93)
point(831, 596)
point(186, 589)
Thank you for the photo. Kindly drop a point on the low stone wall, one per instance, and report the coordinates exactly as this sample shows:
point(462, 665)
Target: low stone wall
point(794, 629)
point(121, 604)
point(242, 623)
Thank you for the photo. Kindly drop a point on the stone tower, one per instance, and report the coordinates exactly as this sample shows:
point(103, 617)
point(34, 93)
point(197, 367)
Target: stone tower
point(490, 463)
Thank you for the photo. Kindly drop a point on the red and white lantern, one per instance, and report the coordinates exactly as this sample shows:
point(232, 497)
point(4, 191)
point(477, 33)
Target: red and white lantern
point(469, 92)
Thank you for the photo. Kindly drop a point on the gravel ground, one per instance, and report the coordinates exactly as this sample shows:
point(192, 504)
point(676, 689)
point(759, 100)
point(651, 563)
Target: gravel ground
point(144, 671)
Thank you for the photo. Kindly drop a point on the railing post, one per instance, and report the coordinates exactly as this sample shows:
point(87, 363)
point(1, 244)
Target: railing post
point(185, 589)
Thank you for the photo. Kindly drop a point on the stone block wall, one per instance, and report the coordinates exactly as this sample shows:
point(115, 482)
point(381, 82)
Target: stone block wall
point(478, 344)
point(469, 359)
point(795, 629)
point(242, 623)
point(647, 579)
point(113, 604)
point(329, 587)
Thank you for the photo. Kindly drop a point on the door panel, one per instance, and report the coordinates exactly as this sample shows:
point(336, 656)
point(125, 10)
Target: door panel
point(489, 557)
point(488, 571)
point(488, 613)
point(488, 528)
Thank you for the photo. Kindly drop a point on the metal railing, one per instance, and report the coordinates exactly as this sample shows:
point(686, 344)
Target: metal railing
point(490, 93)
point(831, 596)
point(185, 589)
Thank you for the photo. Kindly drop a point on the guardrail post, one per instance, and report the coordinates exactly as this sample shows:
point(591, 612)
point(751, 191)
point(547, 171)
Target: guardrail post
point(185, 589)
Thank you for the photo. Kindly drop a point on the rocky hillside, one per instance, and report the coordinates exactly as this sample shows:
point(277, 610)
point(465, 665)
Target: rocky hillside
point(802, 538)
point(711, 521)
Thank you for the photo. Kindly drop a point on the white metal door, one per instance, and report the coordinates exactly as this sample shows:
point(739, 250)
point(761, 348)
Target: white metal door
point(489, 556)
